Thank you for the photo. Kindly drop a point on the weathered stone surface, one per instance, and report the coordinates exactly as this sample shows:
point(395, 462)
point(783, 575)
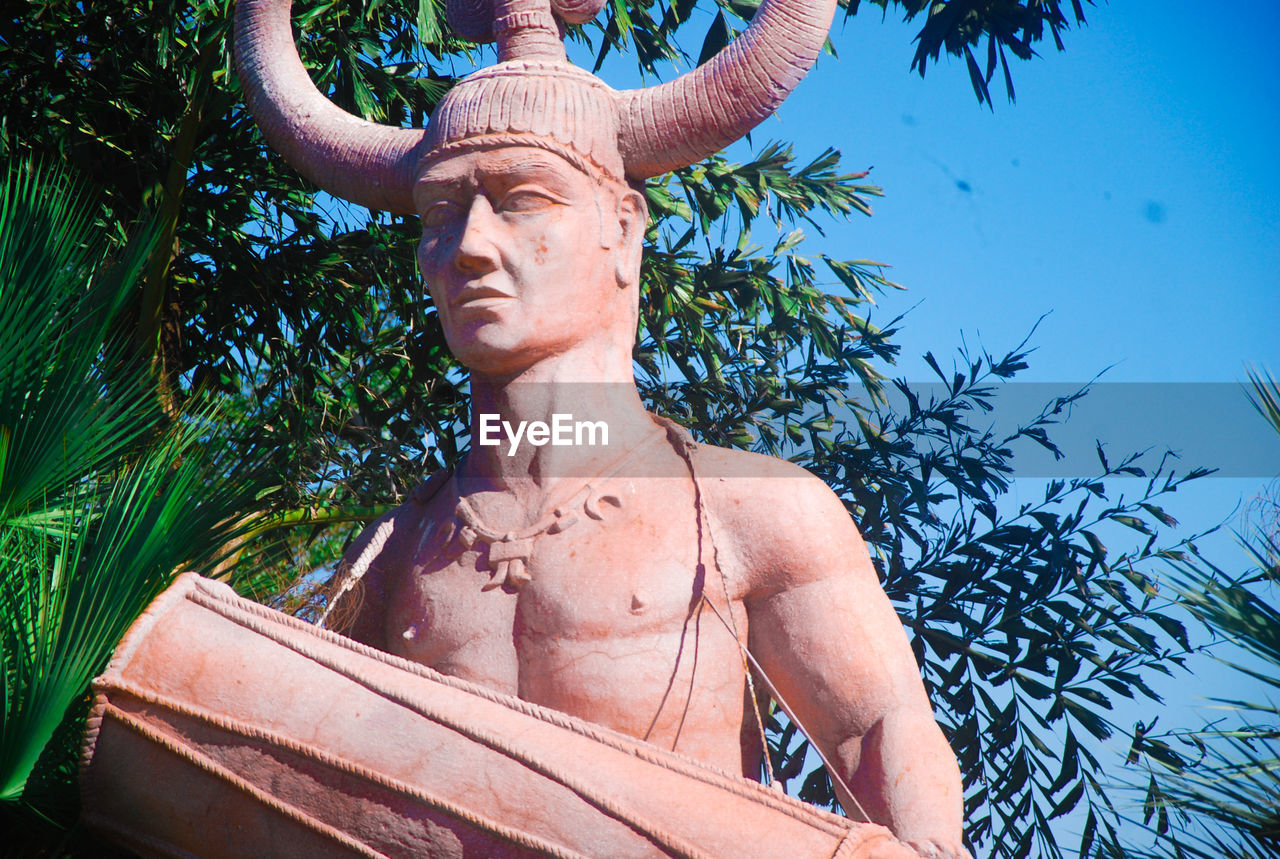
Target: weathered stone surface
point(208, 750)
point(625, 584)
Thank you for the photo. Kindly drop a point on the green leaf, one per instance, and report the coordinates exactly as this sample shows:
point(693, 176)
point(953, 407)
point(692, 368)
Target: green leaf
point(428, 22)
point(717, 38)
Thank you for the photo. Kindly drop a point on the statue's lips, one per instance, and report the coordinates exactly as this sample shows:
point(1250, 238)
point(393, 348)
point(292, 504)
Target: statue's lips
point(478, 298)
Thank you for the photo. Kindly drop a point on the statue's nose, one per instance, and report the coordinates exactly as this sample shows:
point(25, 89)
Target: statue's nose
point(477, 251)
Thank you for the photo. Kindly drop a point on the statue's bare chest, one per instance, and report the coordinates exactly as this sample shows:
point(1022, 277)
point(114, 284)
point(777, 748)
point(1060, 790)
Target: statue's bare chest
point(611, 572)
point(609, 622)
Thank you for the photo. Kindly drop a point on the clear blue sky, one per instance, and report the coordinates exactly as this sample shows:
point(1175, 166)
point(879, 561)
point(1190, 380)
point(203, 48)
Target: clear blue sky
point(1132, 192)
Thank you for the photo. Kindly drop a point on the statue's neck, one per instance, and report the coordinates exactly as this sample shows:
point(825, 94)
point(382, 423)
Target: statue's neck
point(584, 415)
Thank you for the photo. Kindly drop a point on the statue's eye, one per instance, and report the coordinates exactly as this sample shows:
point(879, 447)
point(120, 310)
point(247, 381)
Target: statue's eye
point(441, 213)
point(528, 199)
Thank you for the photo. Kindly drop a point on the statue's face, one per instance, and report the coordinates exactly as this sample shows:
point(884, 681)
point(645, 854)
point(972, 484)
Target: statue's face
point(524, 255)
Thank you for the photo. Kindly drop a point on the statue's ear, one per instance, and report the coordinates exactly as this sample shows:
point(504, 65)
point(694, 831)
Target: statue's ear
point(633, 217)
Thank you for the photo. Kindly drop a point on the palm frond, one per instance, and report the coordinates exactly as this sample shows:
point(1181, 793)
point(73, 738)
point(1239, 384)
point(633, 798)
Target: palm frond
point(102, 498)
point(1265, 396)
point(69, 402)
point(1225, 792)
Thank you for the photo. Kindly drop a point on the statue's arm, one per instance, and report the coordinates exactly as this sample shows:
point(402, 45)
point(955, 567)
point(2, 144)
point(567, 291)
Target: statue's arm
point(828, 638)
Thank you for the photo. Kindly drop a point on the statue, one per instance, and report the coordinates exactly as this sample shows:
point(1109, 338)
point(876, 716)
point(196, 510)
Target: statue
point(587, 556)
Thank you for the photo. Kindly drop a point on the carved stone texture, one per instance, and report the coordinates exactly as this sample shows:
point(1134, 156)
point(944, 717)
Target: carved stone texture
point(299, 742)
point(657, 128)
point(686, 562)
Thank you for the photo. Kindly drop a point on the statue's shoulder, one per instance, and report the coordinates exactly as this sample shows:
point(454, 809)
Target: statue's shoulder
point(731, 462)
point(780, 521)
point(424, 492)
point(380, 537)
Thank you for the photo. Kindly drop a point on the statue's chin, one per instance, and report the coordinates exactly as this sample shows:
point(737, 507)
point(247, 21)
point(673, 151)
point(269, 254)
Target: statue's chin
point(500, 344)
point(489, 350)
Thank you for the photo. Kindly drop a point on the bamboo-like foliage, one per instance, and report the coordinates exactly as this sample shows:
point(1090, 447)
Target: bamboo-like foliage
point(1266, 396)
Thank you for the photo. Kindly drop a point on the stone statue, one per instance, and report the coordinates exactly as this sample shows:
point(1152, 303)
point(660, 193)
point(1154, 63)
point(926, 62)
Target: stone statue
point(531, 250)
point(633, 579)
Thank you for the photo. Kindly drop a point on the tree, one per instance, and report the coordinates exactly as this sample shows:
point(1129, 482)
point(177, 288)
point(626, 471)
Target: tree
point(306, 316)
point(1213, 792)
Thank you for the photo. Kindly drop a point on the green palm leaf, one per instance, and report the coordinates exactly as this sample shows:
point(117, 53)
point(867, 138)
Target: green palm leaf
point(1265, 396)
point(1225, 791)
point(68, 403)
point(102, 497)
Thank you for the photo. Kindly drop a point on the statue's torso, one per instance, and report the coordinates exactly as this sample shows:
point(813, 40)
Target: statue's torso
point(610, 627)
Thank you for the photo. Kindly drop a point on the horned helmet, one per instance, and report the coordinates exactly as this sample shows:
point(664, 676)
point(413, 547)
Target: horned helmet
point(532, 96)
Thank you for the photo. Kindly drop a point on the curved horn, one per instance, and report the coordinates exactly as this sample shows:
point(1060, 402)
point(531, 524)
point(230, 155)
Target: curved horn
point(366, 163)
point(685, 120)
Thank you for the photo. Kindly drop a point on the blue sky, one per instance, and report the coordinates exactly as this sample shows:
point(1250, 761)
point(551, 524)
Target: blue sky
point(1132, 193)
point(1133, 190)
